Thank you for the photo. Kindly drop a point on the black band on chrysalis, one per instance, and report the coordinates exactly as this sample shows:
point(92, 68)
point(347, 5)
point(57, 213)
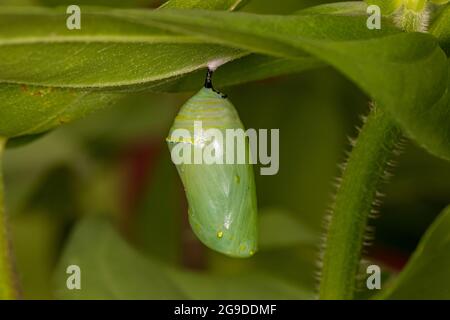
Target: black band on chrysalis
point(209, 85)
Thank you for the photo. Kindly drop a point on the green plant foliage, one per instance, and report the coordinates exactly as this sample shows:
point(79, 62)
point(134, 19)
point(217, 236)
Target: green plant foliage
point(123, 62)
point(441, 29)
point(143, 57)
point(113, 270)
point(402, 106)
point(257, 67)
point(426, 275)
point(387, 6)
point(35, 235)
point(7, 287)
point(417, 67)
point(139, 53)
point(362, 177)
point(108, 3)
point(27, 110)
point(210, 5)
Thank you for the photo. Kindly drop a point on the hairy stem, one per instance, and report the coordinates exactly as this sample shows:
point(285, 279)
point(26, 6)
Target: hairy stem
point(7, 288)
point(362, 176)
point(357, 192)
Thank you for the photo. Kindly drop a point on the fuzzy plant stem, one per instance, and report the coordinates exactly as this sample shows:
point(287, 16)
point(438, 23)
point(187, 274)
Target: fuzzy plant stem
point(362, 176)
point(7, 287)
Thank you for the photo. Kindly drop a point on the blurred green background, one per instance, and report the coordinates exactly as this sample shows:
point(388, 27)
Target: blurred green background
point(115, 164)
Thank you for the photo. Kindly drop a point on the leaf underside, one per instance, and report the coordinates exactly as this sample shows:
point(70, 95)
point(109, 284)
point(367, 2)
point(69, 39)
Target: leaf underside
point(132, 50)
point(426, 274)
point(111, 269)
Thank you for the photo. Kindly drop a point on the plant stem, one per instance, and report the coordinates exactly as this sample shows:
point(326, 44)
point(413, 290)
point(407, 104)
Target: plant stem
point(357, 192)
point(7, 288)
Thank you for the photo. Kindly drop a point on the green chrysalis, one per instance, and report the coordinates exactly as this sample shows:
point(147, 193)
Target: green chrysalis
point(221, 196)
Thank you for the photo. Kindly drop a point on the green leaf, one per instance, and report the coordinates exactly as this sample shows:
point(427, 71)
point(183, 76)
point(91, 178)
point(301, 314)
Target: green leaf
point(201, 4)
point(134, 56)
point(387, 6)
point(132, 53)
point(111, 269)
point(107, 52)
point(138, 53)
point(285, 36)
point(254, 285)
point(426, 274)
point(338, 8)
point(82, 3)
point(406, 74)
point(36, 236)
point(256, 67)
point(441, 29)
point(26, 110)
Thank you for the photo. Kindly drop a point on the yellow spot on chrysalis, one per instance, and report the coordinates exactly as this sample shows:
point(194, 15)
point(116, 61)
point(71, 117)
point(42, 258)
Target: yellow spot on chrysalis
point(237, 179)
point(219, 234)
point(242, 247)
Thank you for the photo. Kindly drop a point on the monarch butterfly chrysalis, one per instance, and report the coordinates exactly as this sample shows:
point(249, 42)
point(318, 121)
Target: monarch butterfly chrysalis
point(221, 196)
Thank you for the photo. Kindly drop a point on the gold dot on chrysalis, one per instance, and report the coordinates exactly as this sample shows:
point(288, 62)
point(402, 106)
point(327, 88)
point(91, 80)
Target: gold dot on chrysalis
point(237, 179)
point(219, 234)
